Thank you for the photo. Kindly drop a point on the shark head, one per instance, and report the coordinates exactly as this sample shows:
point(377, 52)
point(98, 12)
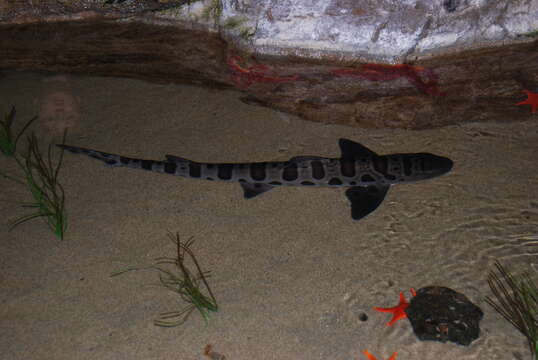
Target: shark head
point(403, 168)
point(422, 166)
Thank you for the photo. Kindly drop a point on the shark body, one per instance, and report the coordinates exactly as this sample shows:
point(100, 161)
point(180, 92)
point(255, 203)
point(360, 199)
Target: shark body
point(367, 176)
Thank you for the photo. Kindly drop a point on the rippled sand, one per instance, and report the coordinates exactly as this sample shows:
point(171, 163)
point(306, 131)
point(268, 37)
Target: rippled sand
point(293, 274)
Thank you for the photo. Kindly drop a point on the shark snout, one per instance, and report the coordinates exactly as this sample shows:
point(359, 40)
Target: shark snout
point(436, 164)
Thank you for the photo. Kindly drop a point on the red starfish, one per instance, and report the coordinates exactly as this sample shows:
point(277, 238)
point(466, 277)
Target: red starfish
point(532, 100)
point(372, 357)
point(398, 312)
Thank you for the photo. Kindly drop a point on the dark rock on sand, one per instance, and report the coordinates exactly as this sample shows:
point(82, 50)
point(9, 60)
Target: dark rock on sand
point(442, 314)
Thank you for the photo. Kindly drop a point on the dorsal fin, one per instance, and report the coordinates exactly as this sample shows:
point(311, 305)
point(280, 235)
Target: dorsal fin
point(353, 150)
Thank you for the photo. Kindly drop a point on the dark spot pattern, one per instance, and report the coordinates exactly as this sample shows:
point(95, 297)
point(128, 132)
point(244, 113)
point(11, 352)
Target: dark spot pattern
point(195, 170)
point(147, 164)
point(347, 167)
point(257, 171)
point(380, 164)
point(170, 168)
point(307, 183)
point(101, 157)
point(335, 181)
point(290, 172)
point(275, 183)
point(224, 171)
point(317, 170)
point(407, 166)
point(367, 178)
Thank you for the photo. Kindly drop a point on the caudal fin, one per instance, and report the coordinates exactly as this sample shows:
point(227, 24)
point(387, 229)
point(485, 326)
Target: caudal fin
point(107, 158)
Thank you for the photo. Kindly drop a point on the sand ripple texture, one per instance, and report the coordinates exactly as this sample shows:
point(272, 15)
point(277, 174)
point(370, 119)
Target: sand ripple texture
point(294, 276)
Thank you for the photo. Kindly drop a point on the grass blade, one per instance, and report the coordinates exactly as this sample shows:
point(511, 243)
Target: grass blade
point(187, 283)
point(8, 143)
point(41, 179)
point(516, 299)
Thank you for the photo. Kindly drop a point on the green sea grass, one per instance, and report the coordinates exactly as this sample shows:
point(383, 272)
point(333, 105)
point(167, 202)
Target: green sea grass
point(41, 178)
point(516, 299)
point(8, 141)
point(175, 275)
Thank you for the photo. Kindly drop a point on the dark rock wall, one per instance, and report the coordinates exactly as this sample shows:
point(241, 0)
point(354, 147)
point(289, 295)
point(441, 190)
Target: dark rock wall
point(471, 85)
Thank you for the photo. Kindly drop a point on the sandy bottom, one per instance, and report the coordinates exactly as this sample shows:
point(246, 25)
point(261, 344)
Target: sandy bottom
point(294, 276)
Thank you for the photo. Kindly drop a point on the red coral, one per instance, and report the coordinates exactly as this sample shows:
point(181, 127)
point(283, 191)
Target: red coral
point(244, 77)
point(385, 72)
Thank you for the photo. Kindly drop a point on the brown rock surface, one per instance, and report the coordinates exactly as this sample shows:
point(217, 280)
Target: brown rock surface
point(480, 84)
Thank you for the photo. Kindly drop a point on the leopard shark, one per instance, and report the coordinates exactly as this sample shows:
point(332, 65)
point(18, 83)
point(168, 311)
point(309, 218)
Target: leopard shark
point(367, 175)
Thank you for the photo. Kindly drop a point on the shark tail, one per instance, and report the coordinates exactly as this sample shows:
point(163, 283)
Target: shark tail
point(107, 158)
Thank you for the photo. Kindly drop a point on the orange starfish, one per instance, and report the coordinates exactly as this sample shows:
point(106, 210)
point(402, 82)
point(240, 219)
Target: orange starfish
point(398, 311)
point(532, 100)
point(372, 357)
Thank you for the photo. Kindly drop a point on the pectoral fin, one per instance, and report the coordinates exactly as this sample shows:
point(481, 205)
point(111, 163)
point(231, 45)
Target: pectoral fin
point(365, 199)
point(251, 190)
